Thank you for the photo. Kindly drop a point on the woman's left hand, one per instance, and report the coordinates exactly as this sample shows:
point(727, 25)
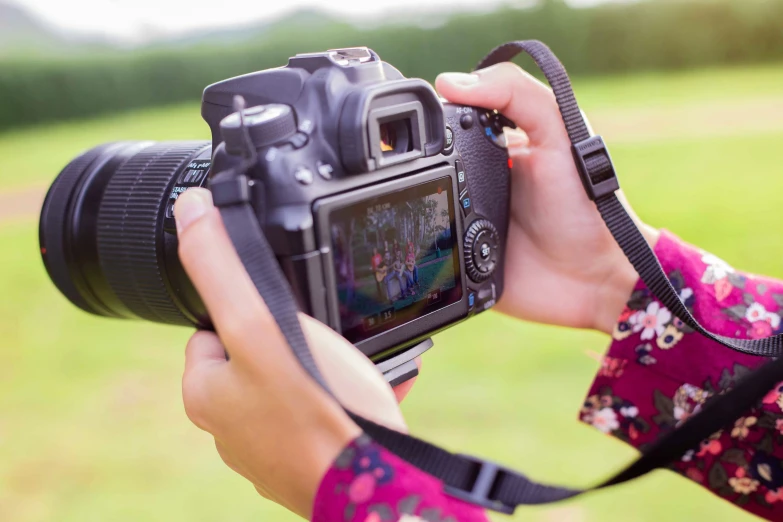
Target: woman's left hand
point(271, 422)
point(562, 264)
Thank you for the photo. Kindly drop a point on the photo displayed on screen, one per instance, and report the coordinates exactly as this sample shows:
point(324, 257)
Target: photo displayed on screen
point(395, 258)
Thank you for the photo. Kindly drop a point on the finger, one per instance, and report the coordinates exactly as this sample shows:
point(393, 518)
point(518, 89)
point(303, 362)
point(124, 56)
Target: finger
point(402, 391)
point(517, 143)
point(211, 262)
point(263, 492)
point(354, 379)
point(512, 91)
point(203, 353)
point(227, 459)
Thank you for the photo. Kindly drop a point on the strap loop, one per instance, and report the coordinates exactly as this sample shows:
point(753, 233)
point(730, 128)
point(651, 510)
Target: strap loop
point(595, 167)
point(481, 492)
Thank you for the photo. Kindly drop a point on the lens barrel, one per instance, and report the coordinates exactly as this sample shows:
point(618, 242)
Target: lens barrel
point(101, 232)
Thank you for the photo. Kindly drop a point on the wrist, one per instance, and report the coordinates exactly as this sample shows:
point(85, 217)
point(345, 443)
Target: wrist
point(613, 294)
point(329, 432)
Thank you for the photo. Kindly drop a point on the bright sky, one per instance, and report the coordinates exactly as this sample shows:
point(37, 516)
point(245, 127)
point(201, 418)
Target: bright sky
point(138, 20)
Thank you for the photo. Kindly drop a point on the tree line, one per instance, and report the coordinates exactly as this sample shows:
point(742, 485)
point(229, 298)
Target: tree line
point(611, 38)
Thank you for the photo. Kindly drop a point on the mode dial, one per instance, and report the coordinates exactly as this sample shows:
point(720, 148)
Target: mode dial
point(482, 245)
point(266, 124)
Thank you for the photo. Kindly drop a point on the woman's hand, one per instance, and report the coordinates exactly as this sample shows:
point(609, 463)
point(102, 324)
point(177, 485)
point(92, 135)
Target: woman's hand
point(562, 265)
point(271, 422)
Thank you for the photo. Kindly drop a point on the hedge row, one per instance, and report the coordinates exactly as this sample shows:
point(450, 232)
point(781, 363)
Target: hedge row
point(648, 35)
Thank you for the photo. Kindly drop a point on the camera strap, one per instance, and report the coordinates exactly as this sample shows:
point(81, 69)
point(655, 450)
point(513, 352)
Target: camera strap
point(474, 479)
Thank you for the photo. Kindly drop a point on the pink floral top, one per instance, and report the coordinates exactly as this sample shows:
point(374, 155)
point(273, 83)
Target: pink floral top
point(657, 373)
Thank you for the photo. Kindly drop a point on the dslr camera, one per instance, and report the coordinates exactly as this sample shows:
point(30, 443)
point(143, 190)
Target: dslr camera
point(387, 209)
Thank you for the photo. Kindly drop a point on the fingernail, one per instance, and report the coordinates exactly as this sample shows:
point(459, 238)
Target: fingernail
point(516, 138)
point(460, 79)
point(190, 206)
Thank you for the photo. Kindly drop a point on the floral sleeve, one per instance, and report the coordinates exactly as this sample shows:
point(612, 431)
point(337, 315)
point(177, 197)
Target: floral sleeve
point(368, 484)
point(658, 372)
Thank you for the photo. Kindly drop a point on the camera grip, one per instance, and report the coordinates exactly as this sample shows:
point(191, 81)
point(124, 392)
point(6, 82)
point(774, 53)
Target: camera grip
point(480, 144)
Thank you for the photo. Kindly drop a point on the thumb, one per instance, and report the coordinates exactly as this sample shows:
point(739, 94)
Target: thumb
point(512, 91)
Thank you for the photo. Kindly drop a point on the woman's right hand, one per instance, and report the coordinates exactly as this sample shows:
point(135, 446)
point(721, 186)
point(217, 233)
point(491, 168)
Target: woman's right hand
point(562, 264)
point(271, 422)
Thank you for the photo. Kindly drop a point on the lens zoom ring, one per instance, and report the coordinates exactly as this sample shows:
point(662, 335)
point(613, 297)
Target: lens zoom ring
point(130, 237)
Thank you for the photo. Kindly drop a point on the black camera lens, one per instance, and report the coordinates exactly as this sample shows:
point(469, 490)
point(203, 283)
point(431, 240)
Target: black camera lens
point(101, 232)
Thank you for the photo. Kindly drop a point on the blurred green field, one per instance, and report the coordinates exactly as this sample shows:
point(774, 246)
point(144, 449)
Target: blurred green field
point(91, 424)
point(54, 145)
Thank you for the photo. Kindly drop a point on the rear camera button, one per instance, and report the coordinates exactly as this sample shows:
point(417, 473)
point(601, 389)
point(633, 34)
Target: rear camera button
point(449, 141)
point(485, 247)
point(298, 140)
point(465, 203)
point(466, 121)
point(325, 170)
point(303, 175)
point(462, 181)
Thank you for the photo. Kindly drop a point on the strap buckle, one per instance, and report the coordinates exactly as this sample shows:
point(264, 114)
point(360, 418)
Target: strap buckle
point(483, 486)
point(228, 191)
point(598, 177)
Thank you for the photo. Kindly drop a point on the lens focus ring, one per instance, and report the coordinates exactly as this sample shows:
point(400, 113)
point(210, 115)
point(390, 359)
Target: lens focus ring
point(130, 229)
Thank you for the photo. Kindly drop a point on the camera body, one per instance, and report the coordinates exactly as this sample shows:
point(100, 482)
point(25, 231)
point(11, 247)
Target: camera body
point(325, 184)
point(386, 208)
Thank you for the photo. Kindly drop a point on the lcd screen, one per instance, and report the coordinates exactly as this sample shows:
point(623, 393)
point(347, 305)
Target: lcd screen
point(395, 258)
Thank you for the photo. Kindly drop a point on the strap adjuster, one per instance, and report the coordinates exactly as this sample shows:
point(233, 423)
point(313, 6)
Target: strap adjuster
point(484, 484)
point(230, 191)
point(598, 177)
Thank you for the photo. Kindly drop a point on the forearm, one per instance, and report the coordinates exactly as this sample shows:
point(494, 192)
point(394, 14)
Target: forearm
point(658, 372)
point(612, 293)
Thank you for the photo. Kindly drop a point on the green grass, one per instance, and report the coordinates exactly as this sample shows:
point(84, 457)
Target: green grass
point(91, 422)
point(35, 155)
point(657, 89)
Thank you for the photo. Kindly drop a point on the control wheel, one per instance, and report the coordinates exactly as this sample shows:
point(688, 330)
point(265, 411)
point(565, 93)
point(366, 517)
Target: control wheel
point(265, 124)
point(482, 243)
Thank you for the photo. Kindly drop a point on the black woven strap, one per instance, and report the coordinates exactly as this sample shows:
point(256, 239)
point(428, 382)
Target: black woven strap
point(473, 479)
point(231, 194)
